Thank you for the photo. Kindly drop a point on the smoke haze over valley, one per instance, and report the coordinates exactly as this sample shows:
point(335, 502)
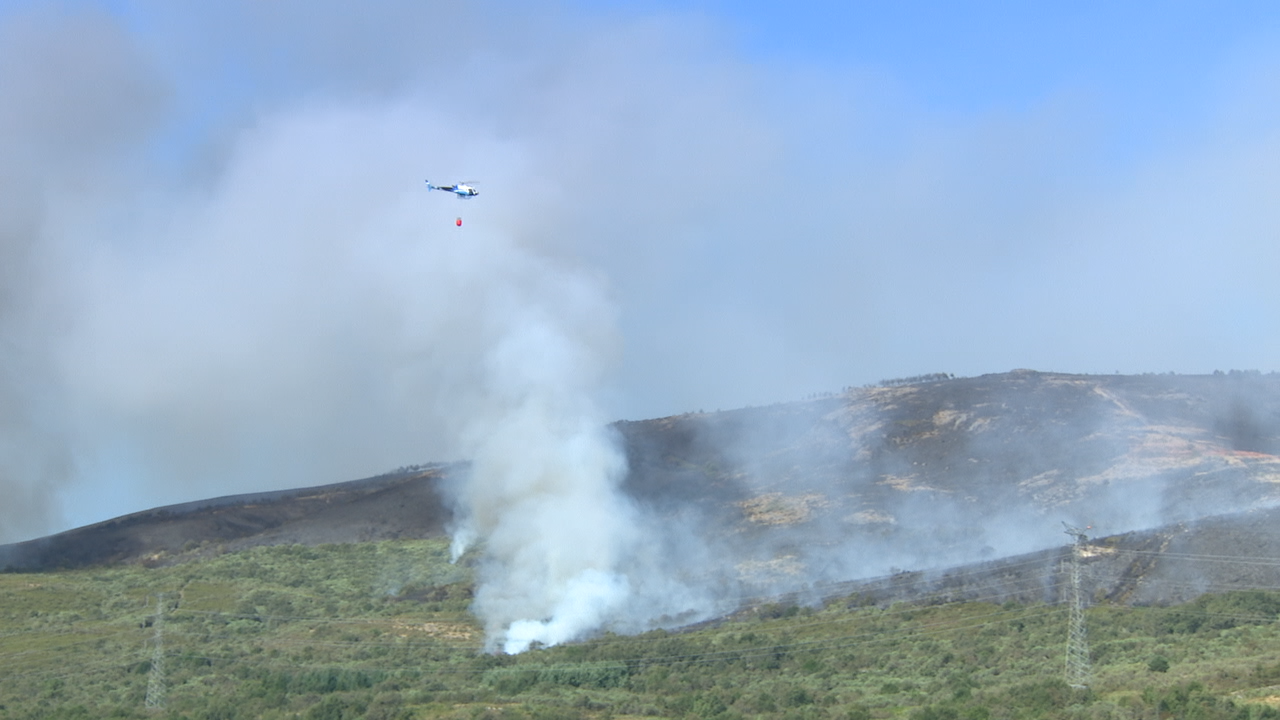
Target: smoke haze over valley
point(963, 482)
point(220, 271)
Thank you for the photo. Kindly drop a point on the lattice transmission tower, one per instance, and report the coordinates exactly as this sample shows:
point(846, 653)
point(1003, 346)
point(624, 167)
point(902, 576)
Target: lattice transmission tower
point(1079, 674)
point(155, 678)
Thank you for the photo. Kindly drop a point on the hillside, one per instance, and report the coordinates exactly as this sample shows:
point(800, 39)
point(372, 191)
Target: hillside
point(886, 552)
point(927, 475)
point(402, 504)
point(381, 630)
point(865, 483)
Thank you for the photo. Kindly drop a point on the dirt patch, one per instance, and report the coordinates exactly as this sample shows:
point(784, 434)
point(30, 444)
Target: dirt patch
point(779, 509)
point(444, 631)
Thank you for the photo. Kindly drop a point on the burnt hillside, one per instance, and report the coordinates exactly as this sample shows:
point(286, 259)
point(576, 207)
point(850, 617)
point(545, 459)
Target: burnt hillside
point(1158, 566)
point(958, 470)
point(396, 505)
point(871, 482)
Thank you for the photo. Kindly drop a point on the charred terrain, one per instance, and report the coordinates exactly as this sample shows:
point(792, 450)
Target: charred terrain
point(886, 552)
point(891, 485)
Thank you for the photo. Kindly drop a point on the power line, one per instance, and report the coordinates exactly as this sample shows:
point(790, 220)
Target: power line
point(857, 639)
point(1077, 664)
point(156, 690)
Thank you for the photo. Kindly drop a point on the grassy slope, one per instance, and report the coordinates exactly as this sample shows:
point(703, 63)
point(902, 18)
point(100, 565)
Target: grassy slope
point(380, 630)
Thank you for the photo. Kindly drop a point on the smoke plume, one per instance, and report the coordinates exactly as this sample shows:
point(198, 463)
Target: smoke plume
point(542, 492)
point(220, 271)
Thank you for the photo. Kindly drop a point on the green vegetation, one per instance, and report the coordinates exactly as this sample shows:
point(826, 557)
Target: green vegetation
point(381, 630)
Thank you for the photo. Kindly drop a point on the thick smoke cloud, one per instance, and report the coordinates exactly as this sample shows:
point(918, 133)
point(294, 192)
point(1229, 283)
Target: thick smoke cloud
point(290, 307)
point(56, 73)
point(220, 272)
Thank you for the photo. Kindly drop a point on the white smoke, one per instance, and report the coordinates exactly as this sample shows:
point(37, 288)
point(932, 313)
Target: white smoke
point(219, 270)
point(588, 600)
point(284, 304)
point(565, 551)
point(543, 491)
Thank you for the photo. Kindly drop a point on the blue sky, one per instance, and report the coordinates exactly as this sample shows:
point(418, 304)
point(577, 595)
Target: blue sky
point(979, 56)
point(221, 258)
point(1147, 73)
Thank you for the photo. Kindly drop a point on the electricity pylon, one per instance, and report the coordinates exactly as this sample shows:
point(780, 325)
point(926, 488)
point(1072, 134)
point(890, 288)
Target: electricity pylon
point(155, 679)
point(1078, 673)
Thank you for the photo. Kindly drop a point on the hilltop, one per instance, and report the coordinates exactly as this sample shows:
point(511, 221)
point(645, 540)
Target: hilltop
point(902, 477)
point(813, 520)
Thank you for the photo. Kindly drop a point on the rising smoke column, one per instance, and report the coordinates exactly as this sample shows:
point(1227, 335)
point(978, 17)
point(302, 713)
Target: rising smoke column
point(543, 492)
point(285, 315)
point(566, 552)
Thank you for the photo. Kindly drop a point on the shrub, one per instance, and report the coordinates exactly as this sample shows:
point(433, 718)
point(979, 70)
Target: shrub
point(1221, 612)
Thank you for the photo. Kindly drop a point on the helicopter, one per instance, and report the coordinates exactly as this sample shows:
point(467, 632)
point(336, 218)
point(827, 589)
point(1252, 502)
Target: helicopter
point(463, 190)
